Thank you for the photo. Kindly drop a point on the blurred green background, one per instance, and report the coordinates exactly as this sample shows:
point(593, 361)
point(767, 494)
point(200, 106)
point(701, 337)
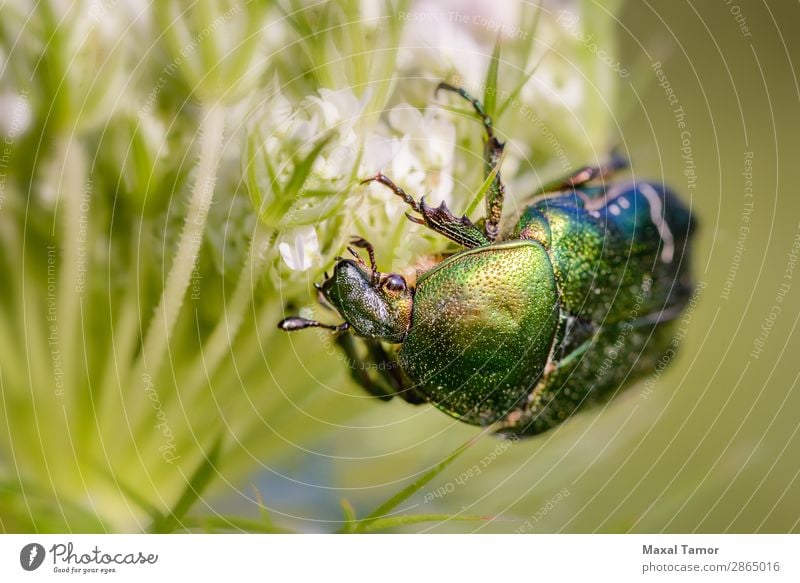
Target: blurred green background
point(715, 446)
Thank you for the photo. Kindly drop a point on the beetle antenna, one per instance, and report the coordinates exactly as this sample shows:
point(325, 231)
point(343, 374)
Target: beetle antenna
point(357, 257)
point(294, 323)
point(362, 243)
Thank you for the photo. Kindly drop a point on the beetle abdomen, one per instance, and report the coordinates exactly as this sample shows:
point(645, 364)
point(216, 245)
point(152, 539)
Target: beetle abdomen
point(617, 253)
point(482, 328)
point(616, 356)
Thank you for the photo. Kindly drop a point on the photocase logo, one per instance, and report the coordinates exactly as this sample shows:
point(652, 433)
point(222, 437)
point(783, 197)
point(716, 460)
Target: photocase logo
point(31, 556)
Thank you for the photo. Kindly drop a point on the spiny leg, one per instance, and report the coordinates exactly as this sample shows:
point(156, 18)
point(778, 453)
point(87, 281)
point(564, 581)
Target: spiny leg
point(588, 375)
point(384, 385)
point(492, 156)
point(439, 219)
point(586, 174)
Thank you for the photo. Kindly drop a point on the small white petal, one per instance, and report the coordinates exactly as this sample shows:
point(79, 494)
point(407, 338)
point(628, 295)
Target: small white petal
point(404, 118)
point(300, 248)
point(378, 153)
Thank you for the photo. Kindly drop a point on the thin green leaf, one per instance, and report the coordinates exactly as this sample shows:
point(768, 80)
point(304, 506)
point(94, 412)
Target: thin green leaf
point(275, 215)
point(231, 523)
point(383, 510)
point(537, 12)
point(250, 38)
point(266, 519)
point(484, 187)
point(311, 216)
point(303, 169)
point(513, 95)
point(530, 17)
point(490, 88)
point(349, 516)
point(194, 489)
point(253, 186)
point(405, 519)
point(319, 192)
point(292, 18)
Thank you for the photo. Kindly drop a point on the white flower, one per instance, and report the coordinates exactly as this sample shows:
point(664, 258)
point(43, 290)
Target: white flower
point(435, 46)
point(337, 163)
point(288, 132)
point(407, 167)
point(337, 107)
point(438, 135)
point(300, 248)
point(418, 155)
point(280, 112)
point(379, 151)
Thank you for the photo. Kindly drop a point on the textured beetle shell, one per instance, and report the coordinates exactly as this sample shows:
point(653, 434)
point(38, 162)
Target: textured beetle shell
point(621, 261)
point(606, 251)
point(482, 328)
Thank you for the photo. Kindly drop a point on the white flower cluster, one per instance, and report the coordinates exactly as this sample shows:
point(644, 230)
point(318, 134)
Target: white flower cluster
point(550, 120)
point(291, 133)
point(416, 148)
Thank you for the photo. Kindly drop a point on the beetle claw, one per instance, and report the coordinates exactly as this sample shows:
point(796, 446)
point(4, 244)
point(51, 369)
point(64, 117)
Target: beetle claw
point(377, 177)
point(414, 219)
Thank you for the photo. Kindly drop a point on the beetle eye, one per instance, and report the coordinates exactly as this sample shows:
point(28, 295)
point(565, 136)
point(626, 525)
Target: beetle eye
point(395, 283)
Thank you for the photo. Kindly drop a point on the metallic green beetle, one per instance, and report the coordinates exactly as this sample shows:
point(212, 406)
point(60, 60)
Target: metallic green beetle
point(521, 331)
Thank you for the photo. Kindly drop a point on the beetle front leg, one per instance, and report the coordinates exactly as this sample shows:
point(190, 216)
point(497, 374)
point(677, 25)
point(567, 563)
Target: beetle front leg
point(438, 219)
point(376, 371)
point(492, 156)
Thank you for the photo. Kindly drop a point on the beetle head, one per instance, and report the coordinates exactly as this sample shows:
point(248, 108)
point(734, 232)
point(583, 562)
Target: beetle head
point(374, 304)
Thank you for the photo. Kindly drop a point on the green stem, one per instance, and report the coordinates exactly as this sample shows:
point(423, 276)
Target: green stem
point(73, 210)
point(218, 345)
point(162, 325)
point(109, 399)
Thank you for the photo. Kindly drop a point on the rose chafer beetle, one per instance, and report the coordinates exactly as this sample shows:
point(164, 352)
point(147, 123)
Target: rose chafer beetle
point(522, 330)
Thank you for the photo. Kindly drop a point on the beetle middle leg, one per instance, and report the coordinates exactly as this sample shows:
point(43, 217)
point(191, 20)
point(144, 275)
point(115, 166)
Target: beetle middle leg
point(375, 370)
point(492, 156)
point(586, 174)
point(591, 374)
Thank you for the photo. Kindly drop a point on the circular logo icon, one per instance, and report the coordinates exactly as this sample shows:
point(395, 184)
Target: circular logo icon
point(31, 556)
